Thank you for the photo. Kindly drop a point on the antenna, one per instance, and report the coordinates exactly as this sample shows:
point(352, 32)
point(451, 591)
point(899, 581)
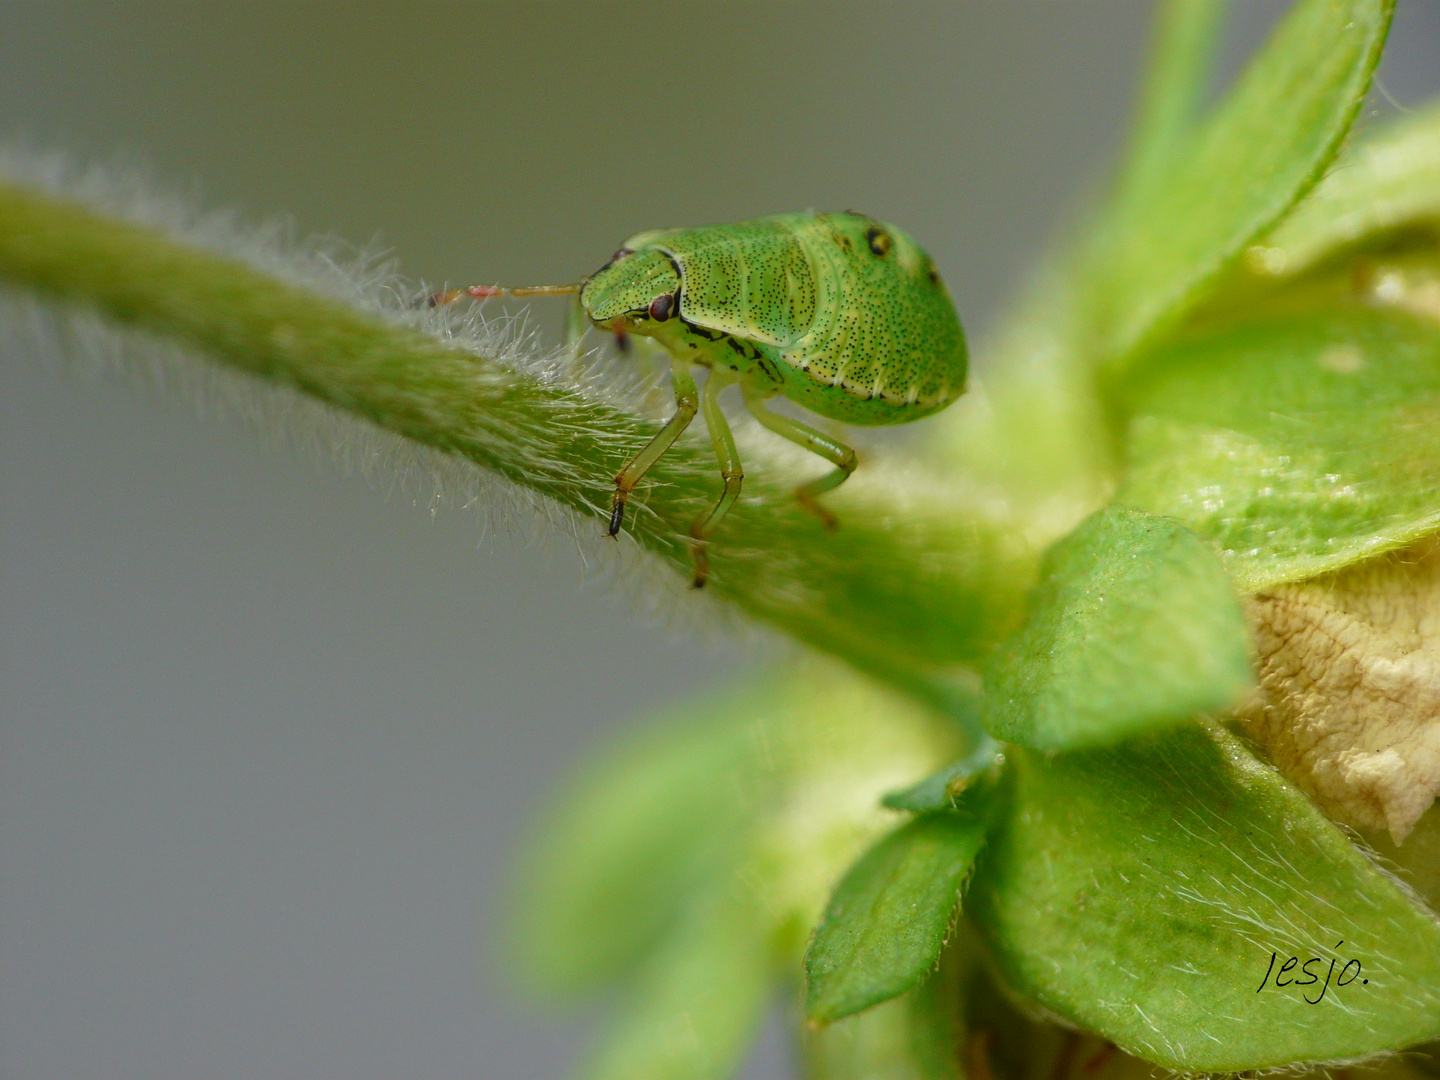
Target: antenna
point(484, 292)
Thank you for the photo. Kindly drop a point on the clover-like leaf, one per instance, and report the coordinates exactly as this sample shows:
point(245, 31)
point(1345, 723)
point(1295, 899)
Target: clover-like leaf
point(891, 913)
point(1298, 439)
point(1134, 626)
point(1156, 892)
point(1239, 172)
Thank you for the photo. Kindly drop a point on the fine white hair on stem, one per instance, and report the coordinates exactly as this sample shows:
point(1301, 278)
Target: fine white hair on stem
point(286, 419)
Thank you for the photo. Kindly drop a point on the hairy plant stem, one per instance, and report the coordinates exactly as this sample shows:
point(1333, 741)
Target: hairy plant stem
point(916, 585)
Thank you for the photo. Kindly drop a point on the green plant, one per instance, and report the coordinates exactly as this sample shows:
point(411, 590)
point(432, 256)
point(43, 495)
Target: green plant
point(1204, 451)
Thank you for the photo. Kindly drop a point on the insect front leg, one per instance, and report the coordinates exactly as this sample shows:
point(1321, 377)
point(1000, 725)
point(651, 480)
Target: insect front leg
point(576, 324)
point(817, 442)
point(687, 400)
point(730, 472)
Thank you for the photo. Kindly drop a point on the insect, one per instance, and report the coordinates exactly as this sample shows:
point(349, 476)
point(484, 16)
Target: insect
point(840, 313)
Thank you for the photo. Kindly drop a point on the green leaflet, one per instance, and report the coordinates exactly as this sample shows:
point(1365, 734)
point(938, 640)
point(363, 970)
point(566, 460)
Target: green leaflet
point(775, 784)
point(916, 1036)
point(941, 790)
point(1012, 1039)
point(613, 868)
point(808, 752)
point(1134, 625)
point(697, 1004)
point(1387, 182)
point(1299, 440)
point(891, 913)
point(1140, 891)
point(1237, 174)
point(1193, 197)
point(1186, 33)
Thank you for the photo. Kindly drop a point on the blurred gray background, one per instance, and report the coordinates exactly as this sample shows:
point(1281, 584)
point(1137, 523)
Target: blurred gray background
point(268, 736)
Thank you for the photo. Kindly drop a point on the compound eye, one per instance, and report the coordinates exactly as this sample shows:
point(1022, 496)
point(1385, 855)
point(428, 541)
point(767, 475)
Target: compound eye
point(879, 241)
point(662, 307)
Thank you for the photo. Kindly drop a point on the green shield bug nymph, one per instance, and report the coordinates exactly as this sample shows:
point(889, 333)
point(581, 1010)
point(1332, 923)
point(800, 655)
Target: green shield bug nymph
point(837, 312)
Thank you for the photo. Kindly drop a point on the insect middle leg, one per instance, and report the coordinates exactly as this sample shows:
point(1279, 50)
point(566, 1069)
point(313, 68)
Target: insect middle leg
point(687, 400)
point(817, 442)
point(730, 472)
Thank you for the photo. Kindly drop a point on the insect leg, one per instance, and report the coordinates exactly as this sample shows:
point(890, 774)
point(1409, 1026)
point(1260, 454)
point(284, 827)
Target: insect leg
point(817, 442)
point(687, 400)
point(575, 326)
point(730, 472)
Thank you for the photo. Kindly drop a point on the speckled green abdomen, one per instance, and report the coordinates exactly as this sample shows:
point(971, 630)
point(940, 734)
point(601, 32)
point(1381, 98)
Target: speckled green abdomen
point(885, 331)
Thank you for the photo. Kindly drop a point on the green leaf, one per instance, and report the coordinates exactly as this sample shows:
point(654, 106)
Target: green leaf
point(1186, 33)
point(715, 792)
point(1298, 440)
point(699, 1000)
point(1134, 626)
point(916, 1036)
point(1140, 892)
point(610, 871)
point(1040, 435)
point(891, 913)
point(942, 790)
point(1388, 182)
point(1239, 172)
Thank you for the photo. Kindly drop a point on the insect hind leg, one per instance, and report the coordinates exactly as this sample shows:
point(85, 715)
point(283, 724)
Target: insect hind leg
point(817, 442)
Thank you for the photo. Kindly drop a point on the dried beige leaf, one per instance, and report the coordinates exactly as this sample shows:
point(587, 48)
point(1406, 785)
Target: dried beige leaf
point(1349, 699)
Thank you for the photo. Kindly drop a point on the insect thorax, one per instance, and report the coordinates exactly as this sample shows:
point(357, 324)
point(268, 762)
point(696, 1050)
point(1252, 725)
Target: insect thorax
point(756, 363)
